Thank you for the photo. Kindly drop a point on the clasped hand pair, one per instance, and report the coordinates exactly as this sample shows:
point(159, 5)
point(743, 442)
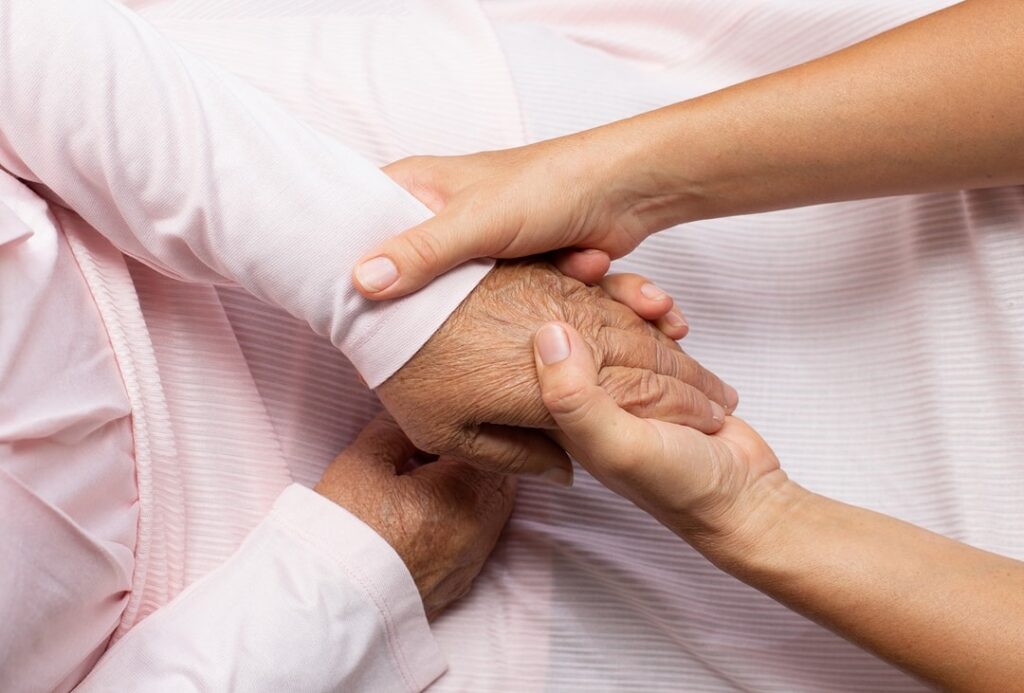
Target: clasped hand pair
point(471, 396)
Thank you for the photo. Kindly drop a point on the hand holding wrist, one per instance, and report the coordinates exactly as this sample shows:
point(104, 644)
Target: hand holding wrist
point(562, 193)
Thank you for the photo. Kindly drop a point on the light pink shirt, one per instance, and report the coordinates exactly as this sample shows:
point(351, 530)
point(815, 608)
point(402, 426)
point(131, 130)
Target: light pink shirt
point(138, 458)
point(828, 319)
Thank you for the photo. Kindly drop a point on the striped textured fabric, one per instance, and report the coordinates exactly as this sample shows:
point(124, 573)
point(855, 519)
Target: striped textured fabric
point(876, 345)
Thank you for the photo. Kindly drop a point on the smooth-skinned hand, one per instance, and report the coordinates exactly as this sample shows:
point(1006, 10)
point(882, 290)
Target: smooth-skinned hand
point(561, 193)
point(706, 488)
point(443, 518)
point(471, 391)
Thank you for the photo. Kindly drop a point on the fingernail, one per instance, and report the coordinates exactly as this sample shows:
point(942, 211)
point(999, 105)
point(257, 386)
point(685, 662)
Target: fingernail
point(732, 398)
point(557, 477)
point(675, 318)
point(652, 292)
point(717, 413)
point(552, 344)
point(592, 251)
point(377, 274)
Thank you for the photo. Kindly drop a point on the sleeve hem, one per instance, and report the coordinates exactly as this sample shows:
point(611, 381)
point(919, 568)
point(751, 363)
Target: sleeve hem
point(375, 568)
point(405, 325)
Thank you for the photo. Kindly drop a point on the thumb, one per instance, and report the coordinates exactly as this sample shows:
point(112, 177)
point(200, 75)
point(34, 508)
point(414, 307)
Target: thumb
point(509, 450)
point(369, 464)
point(412, 259)
point(593, 428)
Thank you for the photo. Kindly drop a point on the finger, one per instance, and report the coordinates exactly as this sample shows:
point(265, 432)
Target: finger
point(652, 396)
point(616, 314)
point(648, 301)
point(595, 428)
point(510, 450)
point(673, 324)
point(637, 293)
point(632, 350)
point(587, 266)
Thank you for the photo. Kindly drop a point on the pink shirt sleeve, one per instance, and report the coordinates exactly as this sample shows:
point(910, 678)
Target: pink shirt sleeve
point(202, 177)
point(313, 594)
point(313, 600)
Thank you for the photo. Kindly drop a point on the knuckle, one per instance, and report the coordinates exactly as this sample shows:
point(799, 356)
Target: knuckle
point(615, 381)
point(565, 398)
point(706, 381)
point(693, 402)
point(608, 346)
point(497, 458)
point(691, 372)
point(662, 358)
point(648, 388)
point(641, 392)
point(621, 313)
point(424, 248)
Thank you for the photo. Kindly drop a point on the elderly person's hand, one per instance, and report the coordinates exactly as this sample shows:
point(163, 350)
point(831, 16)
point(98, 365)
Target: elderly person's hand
point(472, 389)
point(443, 518)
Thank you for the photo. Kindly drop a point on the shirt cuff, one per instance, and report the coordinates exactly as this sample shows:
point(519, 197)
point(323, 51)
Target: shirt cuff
point(375, 568)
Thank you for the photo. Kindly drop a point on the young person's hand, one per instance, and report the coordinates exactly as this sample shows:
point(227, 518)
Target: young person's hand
point(875, 580)
point(505, 204)
point(709, 489)
point(872, 120)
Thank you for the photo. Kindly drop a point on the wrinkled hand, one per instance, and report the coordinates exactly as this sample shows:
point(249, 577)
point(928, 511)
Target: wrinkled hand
point(562, 193)
point(442, 518)
point(708, 489)
point(472, 389)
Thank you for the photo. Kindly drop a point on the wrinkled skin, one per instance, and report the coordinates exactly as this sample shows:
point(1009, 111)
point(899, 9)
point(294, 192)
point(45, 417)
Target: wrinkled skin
point(443, 518)
point(472, 389)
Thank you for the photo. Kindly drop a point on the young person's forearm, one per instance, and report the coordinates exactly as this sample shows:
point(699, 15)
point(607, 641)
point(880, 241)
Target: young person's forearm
point(947, 612)
point(934, 105)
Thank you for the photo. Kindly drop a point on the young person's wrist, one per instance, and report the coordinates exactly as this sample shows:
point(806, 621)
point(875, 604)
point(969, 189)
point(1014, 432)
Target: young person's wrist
point(761, 526)
point(652, 176)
